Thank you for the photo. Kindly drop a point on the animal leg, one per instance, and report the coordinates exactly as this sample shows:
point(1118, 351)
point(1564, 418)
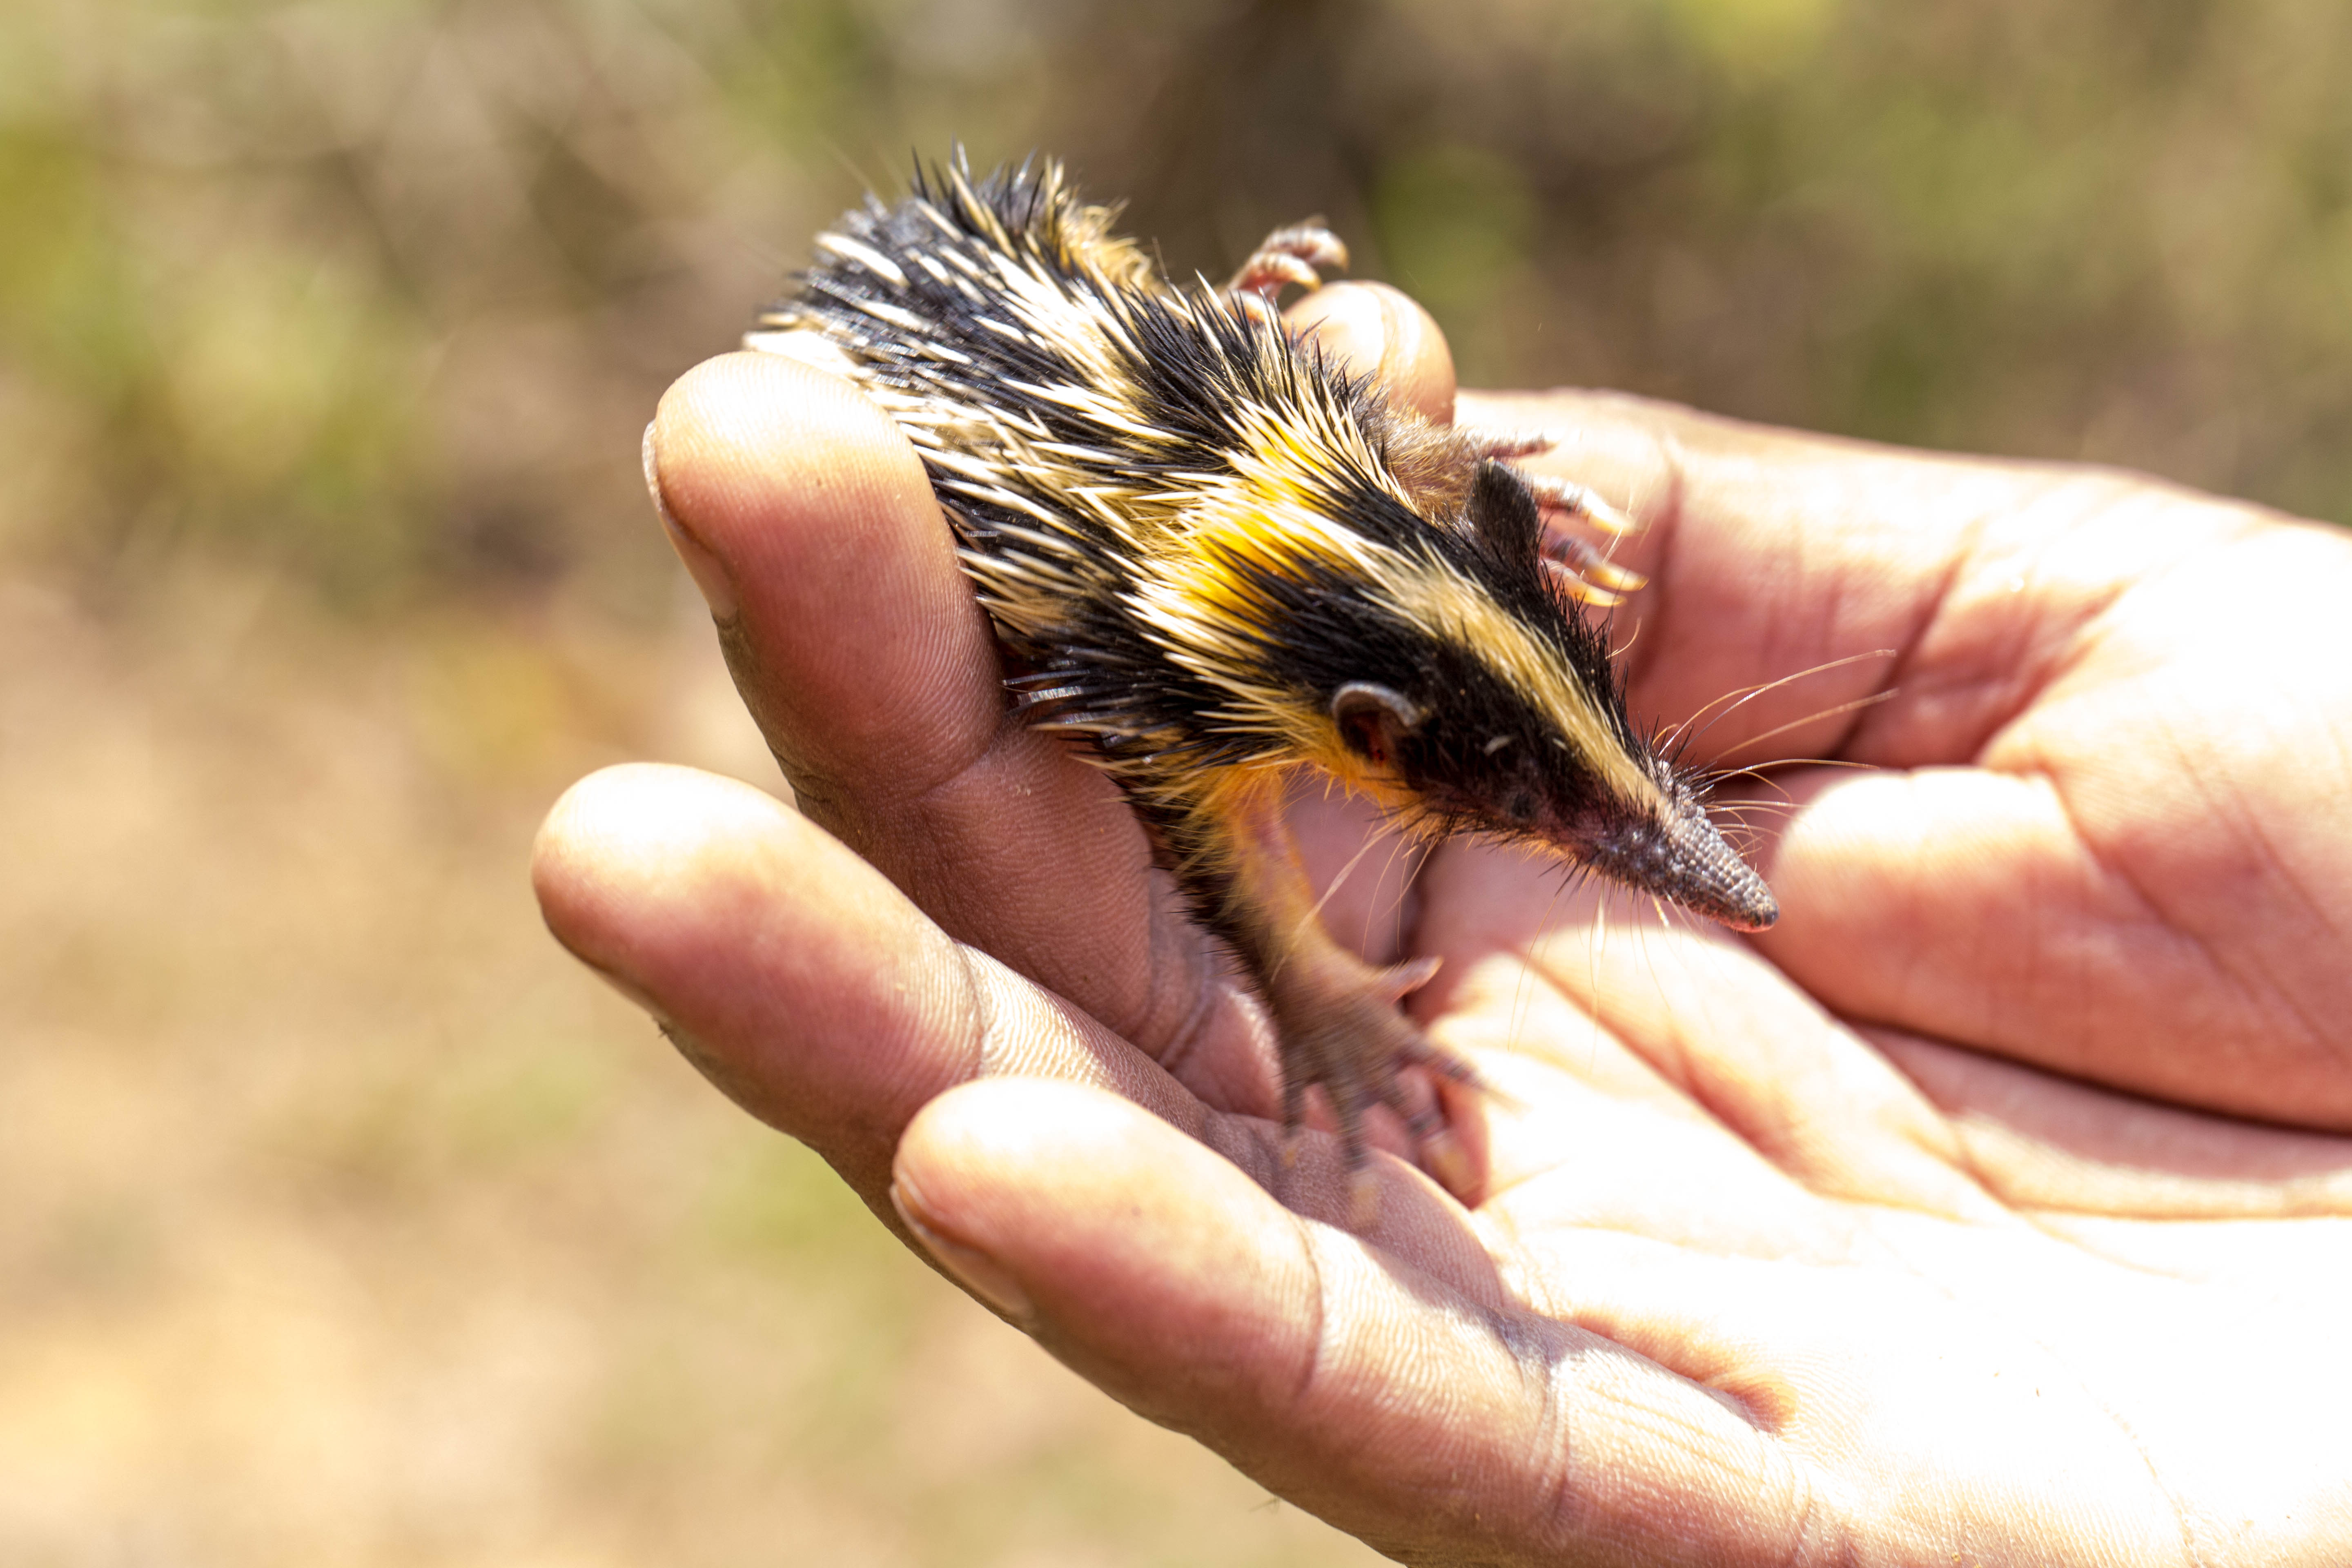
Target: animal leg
point(1552, 492)
point(1337, 1016)
point(1287, 256)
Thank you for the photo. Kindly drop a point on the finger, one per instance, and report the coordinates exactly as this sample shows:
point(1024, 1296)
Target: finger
point(2119, 928)
point(1959, 584)
point(1371, 328)
point(795, 976)
point(1426, 1416)
point(865, 655)
point(859, 650)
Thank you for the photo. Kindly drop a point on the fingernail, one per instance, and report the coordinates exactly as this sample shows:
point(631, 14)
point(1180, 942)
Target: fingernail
point(709, 575)
point(974, 1269)
point(1350, 322)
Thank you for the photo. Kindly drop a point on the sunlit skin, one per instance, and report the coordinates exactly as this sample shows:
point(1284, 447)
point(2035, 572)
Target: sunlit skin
point(1995, 1207)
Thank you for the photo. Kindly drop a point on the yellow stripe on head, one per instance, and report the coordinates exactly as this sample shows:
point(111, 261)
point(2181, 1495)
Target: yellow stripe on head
point(1460, 614)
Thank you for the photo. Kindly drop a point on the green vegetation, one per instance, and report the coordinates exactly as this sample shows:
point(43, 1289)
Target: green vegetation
point(377, 291)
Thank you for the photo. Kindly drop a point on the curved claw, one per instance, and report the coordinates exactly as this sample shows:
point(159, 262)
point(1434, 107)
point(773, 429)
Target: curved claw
point(1290, 255)
point(1399, 981)
point(1583, 591)
point(1583, 573)
point(1578, 501)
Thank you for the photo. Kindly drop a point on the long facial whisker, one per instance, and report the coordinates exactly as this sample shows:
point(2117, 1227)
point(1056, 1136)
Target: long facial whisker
point(1758, 770)
point(1752, 694)
point(1315, 916)
point(1671, 737)
point(1739, 814)
point(1400, 846)
point(1740, 694)
point(1872, 700)
point(1788, 800)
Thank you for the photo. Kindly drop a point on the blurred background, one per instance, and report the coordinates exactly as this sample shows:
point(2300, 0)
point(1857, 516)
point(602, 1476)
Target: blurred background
point(342, 1220)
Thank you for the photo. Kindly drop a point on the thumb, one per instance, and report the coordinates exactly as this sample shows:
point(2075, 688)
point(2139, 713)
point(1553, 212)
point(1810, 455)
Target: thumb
point(1421, 1409)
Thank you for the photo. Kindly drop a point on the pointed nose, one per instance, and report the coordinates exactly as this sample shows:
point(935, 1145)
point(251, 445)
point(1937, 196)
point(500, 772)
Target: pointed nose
point(1684, 859)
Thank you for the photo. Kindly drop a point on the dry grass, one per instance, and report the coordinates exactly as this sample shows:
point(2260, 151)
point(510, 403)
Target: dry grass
point(348, 1222)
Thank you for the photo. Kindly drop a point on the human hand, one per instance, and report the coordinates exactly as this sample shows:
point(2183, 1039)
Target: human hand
point(1797, 1246)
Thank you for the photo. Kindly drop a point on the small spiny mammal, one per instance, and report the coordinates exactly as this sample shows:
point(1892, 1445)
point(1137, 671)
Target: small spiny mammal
point(1215, 559)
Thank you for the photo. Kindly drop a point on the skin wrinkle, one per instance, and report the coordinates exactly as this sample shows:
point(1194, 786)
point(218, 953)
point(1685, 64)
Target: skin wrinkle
point(1254, 1147)
point(2022, 682)
point(1964, 1153)
point(1928, 610)
point(1796, 553)
point(1955, 1148)
point(1302, 1384)
point(1562, 1504)
point(2247, 827)
point(1146, 1087)
point(2191, 1557)
point(1677, 1071)
point(818, 799)
point(1811, 1517)
point(1207, 989)
point(2040, 1219)
point(1007, 736)
point(2076, 643)
point(975, 1010)
point(1693, 1440)
point(1775, 1144)
point(1966, 561)
point(2253, 828)
point(2081, 636)
point(2008, 1014)
point(2114, 871)
point(1246, 1076)
point(2119, 872)
point(989, 1054)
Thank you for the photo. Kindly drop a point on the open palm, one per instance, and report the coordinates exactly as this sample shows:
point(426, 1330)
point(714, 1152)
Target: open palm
point(1993, 1208)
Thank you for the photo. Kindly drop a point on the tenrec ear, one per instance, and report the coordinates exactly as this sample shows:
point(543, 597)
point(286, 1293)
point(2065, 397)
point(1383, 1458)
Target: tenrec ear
point(1374, 720)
